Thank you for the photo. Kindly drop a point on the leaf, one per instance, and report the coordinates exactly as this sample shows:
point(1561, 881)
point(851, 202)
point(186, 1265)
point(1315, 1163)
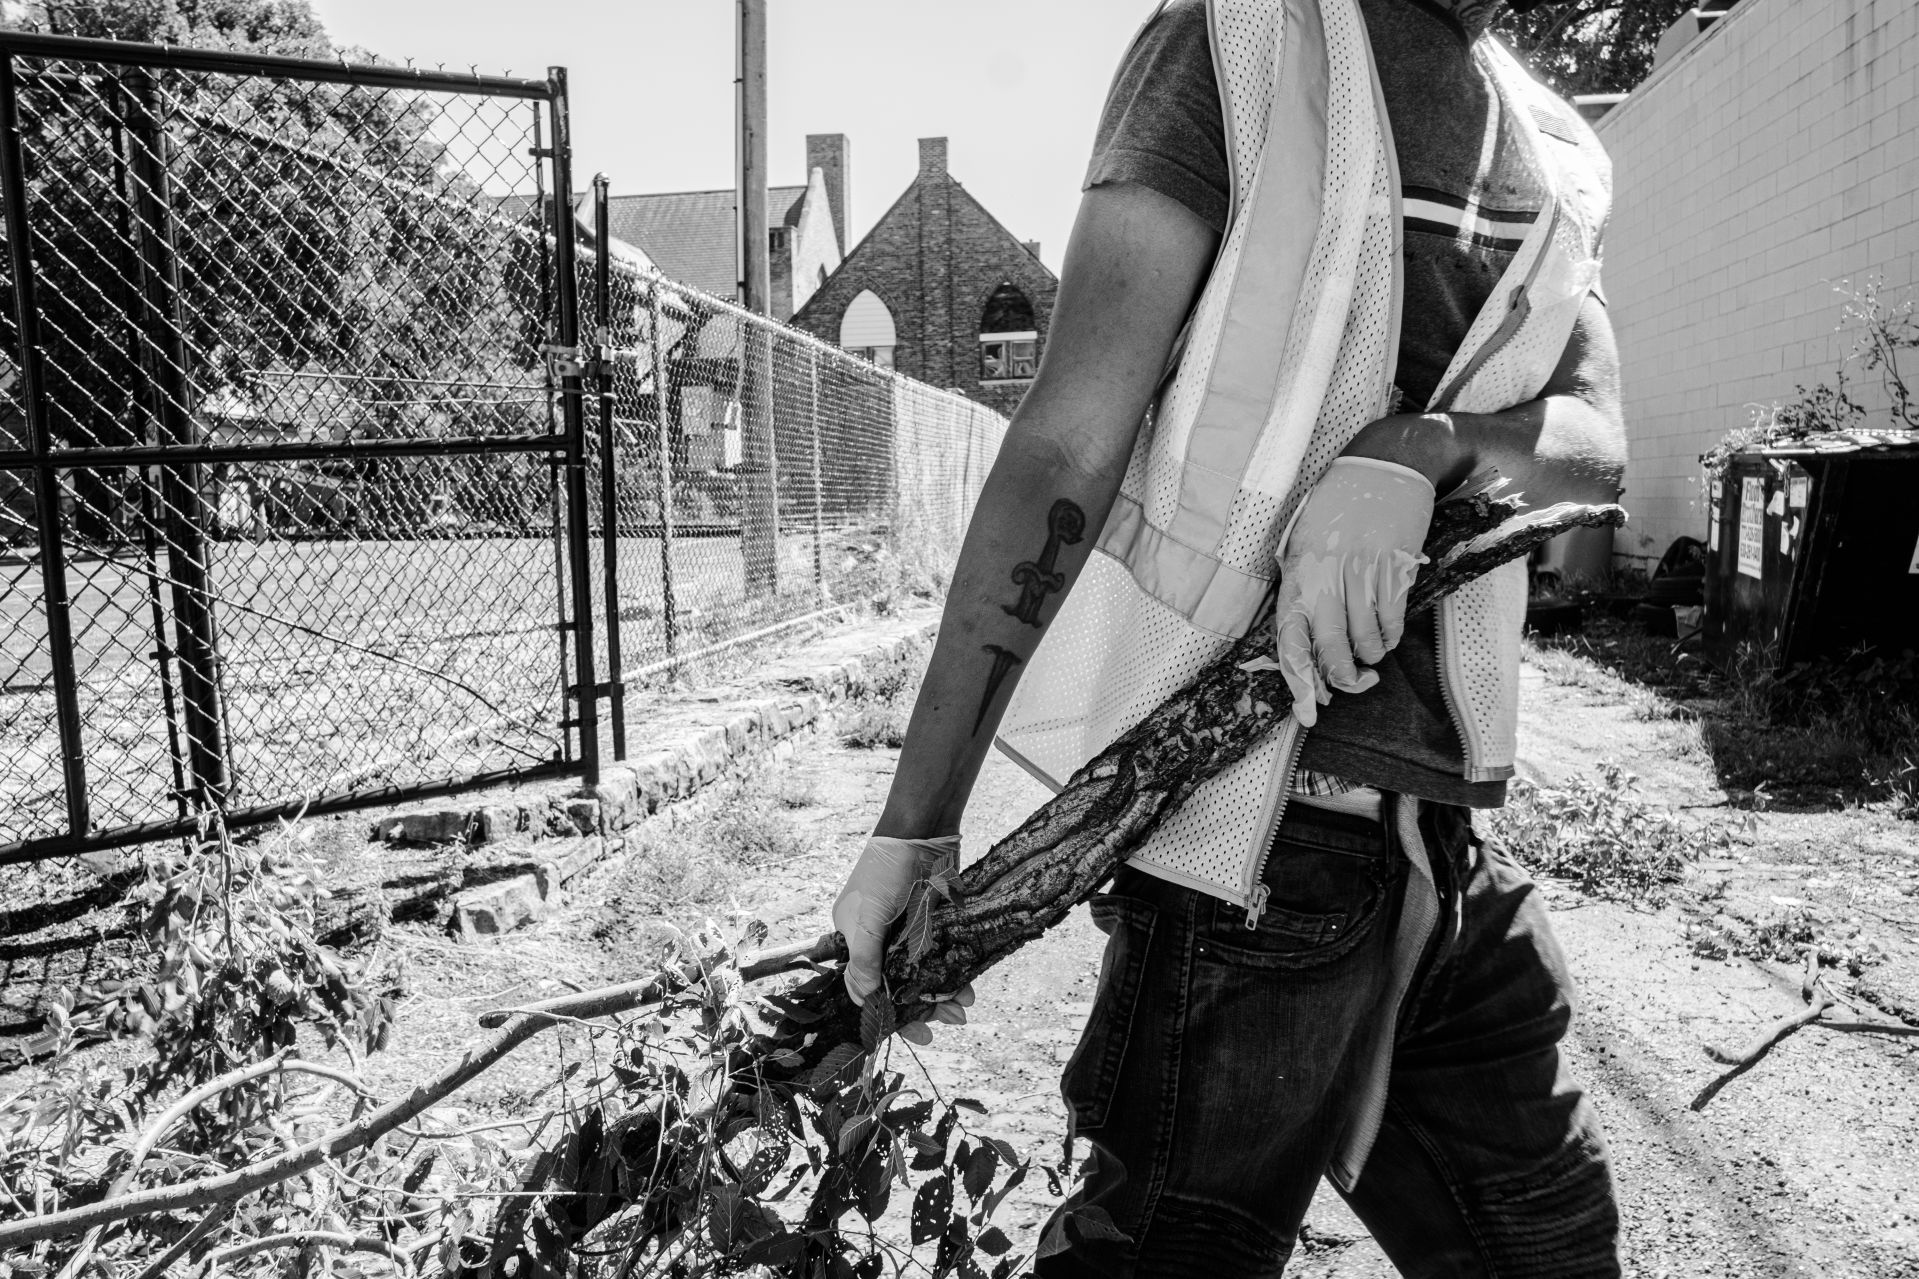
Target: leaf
point(993, 1241)
point(904, 1117)
point(763, 1167)
point(1007, 1187)
point(1054, 1241)
point(1091, 1222)
point(877, 1020)
point(856, 1133)
point(967, 1103)
point(956, 1246)
point(979, 1171)
point(875, 1182)
point(833, 1065)
point(932, 1209)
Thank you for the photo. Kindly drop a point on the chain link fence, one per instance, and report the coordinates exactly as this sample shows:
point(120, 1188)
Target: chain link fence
point(279, 514)
point(330, 474)
point(757, 476)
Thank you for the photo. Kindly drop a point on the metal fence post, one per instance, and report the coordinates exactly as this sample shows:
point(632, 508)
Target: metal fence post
point(609, 478)
point(572, 392)
point(813, 427)
point(196, 643)
point(759, 469)
point(140, 357)
point(669, 610)
point(46, 483)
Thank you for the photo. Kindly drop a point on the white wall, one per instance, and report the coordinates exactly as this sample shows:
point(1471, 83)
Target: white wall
point(1774, 157)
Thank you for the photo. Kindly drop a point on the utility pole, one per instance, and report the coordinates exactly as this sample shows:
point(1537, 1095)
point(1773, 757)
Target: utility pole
point(755, 283)
point(759, 455)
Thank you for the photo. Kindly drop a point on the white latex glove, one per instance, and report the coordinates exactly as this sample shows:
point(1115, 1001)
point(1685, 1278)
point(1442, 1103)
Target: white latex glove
point(875, 896)
point(1346, 563)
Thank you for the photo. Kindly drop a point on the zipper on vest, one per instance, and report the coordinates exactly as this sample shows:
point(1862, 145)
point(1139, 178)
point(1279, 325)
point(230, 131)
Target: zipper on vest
point(1442, 644)
point(1519, 312)
point(1256, 898)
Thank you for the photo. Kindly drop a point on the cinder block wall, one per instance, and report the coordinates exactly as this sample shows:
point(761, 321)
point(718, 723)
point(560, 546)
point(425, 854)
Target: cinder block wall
point(1773, 158)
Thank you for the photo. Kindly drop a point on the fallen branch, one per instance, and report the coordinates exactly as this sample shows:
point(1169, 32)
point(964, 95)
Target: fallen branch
point(335, 1240)
point(1819, 1003)
point(515, 1028)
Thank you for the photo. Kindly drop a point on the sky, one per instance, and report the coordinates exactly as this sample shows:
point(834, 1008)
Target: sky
point(1016, 85)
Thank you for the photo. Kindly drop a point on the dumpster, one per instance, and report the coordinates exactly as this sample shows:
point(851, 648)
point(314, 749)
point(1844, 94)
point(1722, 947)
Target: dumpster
point(1813, 547)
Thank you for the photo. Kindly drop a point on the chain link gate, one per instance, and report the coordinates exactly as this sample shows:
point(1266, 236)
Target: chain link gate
point(293, 471)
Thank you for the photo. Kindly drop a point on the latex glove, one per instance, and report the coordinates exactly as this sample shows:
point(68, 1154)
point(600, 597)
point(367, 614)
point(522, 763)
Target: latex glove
point(875, 896)
point(1347, 561)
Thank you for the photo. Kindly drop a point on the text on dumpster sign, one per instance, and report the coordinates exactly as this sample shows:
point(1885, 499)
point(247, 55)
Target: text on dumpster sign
point(1752, 527)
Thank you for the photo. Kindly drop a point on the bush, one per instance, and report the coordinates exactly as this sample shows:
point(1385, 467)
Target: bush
point(1598, 832)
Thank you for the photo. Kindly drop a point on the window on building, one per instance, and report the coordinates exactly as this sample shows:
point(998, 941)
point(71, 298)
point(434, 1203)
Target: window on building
point(866, 330)
point(1009, 337)
point(880, 355)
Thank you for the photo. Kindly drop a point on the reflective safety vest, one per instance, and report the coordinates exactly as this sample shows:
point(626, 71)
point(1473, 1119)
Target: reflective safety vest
point(1290, 350)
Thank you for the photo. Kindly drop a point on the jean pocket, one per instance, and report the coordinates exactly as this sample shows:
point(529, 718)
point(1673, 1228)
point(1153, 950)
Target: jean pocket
point(1321, 904)
point(1091, 1076)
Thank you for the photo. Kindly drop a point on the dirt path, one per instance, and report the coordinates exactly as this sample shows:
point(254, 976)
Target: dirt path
point(1807, 1165)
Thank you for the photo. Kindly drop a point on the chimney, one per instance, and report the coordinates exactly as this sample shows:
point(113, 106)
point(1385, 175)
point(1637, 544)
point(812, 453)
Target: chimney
point(831, 154)
point(932, 156)
point(1032, 246)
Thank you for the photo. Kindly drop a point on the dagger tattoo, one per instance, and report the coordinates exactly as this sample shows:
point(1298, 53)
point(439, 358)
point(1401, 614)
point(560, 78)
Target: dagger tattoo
point(1065, 526)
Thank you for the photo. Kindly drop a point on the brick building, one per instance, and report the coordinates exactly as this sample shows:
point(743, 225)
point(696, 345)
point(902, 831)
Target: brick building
point(692, 236)
point(940, 291)
point(1769, 156)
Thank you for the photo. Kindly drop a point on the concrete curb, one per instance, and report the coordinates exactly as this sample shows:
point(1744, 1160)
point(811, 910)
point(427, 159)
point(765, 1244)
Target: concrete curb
point(709, 739)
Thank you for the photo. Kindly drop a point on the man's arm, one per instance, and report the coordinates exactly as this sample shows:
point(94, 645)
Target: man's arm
point(1569, 445)
point(1134, 263)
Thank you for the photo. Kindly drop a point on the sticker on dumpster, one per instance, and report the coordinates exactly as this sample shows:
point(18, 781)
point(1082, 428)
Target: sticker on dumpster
point(1752, 527)
point(1801, 491)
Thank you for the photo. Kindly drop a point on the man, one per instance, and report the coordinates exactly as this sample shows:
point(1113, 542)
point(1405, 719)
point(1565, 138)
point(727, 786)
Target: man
point(1345, 252)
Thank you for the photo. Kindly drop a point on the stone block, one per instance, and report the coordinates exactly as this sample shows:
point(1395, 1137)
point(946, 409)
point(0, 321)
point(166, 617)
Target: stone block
point(619, 796)
point(496, 822)
point(584, 815)
point(713, 756)
point(497, 909)
point(567, 859)
point(426, 826)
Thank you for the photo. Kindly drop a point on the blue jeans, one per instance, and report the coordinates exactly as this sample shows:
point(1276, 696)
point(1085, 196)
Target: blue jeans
point(1219, 1065)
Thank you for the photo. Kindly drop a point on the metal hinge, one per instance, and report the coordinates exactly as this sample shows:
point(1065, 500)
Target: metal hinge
point(608, 689)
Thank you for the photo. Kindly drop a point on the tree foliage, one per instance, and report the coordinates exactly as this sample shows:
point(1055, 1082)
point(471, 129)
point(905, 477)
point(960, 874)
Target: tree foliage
point(1595, 46)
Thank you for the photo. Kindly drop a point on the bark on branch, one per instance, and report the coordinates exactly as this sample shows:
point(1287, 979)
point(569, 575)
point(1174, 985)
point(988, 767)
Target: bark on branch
point(1060, 855)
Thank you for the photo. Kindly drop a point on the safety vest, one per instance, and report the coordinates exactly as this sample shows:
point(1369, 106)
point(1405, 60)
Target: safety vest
point(1290, 350)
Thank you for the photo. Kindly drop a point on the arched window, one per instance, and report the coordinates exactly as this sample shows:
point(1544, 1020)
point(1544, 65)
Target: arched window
point(866, 330)
point(1008, 338)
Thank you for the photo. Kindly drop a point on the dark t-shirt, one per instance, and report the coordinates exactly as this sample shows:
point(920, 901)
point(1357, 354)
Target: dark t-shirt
point(1469, 192)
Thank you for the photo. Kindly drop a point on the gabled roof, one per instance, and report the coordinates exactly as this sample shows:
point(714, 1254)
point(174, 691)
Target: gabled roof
point(690, 234)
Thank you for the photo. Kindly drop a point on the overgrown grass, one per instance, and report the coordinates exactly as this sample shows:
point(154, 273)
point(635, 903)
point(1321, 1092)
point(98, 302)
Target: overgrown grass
point(879, 711)
point(1599, 832)
point(1837, 731)
point(675, 877)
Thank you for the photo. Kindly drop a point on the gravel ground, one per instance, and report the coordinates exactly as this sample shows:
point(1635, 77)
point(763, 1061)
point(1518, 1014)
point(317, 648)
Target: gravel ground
point(1805, 1165)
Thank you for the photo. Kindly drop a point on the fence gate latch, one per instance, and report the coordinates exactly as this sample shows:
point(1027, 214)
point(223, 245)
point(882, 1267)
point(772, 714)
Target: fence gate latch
point(563, 360)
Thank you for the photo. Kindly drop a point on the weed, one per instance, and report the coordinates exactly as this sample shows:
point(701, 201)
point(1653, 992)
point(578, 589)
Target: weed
point(879, 714)
point(1600, 832)
point(678, 876)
